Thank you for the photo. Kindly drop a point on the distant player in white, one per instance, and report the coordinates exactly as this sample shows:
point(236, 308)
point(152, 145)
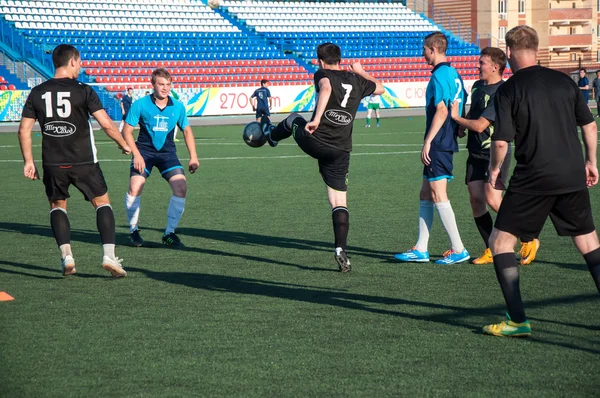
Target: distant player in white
point(373, 104)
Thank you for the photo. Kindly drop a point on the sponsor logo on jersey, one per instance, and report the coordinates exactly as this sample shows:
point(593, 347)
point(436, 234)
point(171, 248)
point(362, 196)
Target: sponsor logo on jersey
point(162, 124)
point(59, 129)
point(337, 116)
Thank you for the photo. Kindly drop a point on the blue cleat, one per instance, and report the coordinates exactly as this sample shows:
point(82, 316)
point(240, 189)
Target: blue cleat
point(451, 257)
point(413, 256)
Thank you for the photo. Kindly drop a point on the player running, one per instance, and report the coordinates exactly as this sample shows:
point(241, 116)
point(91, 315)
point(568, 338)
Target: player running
point(327, 137)
point(158, 114)
point(62, 106)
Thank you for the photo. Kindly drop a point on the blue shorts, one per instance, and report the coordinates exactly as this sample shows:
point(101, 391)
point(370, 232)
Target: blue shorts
point(166, 162)
point(440, 167)
point(262, 111)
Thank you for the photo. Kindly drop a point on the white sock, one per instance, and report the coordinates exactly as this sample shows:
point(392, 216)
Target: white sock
point(174, 212)
point(447, 216)
point(121, 125)
point(132, 205)
point(109, 250)
point(425, 222)
point(65, 250)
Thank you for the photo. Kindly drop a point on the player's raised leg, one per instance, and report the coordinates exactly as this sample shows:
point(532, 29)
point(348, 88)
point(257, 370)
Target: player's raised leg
point(132, 207)
point(61, 228)
point(105, 221)
point(283, 130)
point(175, 210)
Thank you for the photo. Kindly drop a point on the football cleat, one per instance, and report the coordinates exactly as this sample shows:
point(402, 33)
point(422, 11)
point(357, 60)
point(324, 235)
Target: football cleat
point(367, 125)
point(266, 127)
point(114, 266)
point(486, 258)
point(508, 328)
point(342, 259)
point(451, 257)
point(413, 256)
point(528, 251)
point(135, 239)
point(68, 265)
point(172, 240)
point(378, 124)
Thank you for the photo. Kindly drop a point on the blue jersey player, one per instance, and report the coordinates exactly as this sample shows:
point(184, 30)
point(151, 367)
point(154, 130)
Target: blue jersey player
point(445, 87)
point(262, 101)
point(158, 114)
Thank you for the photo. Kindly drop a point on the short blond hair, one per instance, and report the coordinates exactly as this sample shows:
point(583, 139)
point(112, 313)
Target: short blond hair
point(522, 37)
point(436, 40)
point(160, 72)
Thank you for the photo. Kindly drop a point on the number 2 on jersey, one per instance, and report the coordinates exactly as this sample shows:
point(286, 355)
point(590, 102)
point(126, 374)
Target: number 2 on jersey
point(63, 106)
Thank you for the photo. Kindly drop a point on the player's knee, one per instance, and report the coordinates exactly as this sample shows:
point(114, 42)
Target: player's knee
point(101, 201)
point(290, 119)
point(478, 204)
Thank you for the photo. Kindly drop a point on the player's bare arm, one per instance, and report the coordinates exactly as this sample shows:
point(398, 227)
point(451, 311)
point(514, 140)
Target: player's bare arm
point(190, 142)
point(253, 103)
point(29, 169)
point(111, 131)
point(440, 116)
point(138, 160)
point(590, 142)
point(498, 151)
point(359, 70)
point(478, 125)
point(324, 94)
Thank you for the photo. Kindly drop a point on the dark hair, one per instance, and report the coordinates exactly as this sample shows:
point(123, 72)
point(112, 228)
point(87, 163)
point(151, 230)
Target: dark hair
point(522, 37)
point(583, 70)
point(329, 53)
point(497, 56)
point(62, 54)
point(436, 40)
point(263, 82)
point(160, 72)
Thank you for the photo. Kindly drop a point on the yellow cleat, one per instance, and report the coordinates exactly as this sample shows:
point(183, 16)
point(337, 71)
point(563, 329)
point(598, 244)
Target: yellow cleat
point(528, 251)
point(486, 257)
point(508, 328)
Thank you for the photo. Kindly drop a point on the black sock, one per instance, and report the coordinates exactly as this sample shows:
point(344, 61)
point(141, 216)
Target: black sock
point(105, 221)
point(284, 129)
point(61, 228)
point(592, 260)
point(485, 224)
point(507, 272)
point(341, 225)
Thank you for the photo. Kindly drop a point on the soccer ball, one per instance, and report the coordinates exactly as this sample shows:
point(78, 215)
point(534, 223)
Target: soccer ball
point(253, 135)
point(214, 3)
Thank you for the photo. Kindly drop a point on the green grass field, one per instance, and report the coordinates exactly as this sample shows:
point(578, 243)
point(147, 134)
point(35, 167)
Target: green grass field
point(254, 306)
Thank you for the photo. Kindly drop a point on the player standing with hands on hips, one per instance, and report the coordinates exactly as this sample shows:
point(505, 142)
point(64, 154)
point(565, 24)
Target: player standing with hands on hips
point(62, 106)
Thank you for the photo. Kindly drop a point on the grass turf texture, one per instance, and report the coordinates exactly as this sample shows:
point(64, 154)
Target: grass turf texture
point(254, 305)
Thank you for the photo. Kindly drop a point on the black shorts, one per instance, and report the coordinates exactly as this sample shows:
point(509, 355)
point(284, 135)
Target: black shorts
point(333, 162)
point(262, 111)
point(524, 215)
point(478, 168)
point(87, 178)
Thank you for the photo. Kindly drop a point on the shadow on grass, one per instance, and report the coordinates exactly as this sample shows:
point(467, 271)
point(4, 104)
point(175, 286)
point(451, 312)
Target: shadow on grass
point(56, 270)
point(449, 315)
point(577, 267)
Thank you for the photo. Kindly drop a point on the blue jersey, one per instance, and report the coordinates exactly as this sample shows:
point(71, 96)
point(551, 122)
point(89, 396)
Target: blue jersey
point(126, 101)
point(447, 86)
point(157, 126)
point(262, 94)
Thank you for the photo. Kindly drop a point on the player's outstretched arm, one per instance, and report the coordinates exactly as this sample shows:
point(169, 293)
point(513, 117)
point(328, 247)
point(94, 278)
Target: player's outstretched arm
point(111, 130)
point(478, 125)
point(358, 69)
point(190, 142)
point(324, 94)
point(29, 170)
point(590, 141)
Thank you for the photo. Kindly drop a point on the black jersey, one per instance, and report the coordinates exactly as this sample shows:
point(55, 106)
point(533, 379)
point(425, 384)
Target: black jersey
point(482, 105)
point(63, 107)
point(540, 109)
point(347, 90)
